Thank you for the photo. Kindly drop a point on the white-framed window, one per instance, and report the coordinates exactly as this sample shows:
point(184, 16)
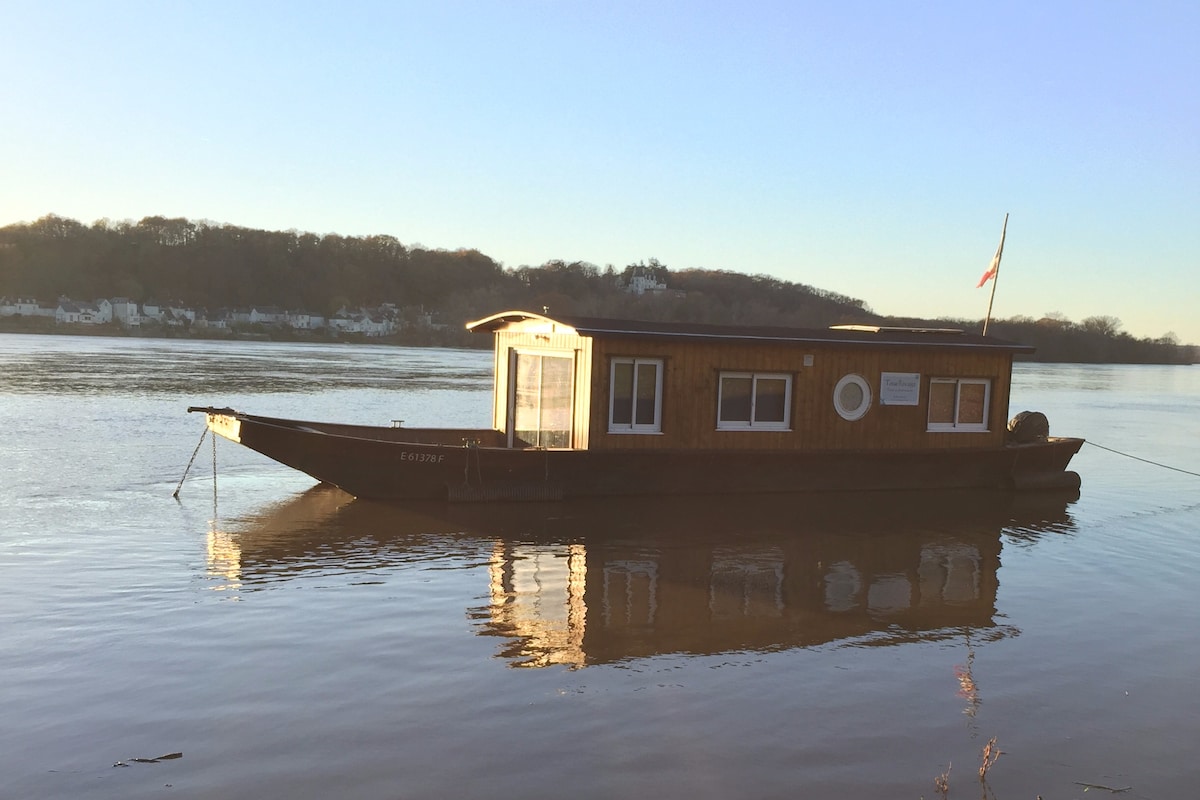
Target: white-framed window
point(760, 401)
point(635, 395)
point(852, 397)
point(959, 404)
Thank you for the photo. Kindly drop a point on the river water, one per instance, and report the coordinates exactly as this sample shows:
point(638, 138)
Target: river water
point(290, 642)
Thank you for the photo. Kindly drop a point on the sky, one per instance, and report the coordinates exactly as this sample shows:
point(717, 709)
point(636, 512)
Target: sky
point(866, 148)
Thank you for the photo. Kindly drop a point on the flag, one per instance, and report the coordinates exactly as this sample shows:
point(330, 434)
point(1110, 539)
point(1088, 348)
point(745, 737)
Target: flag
point(994, 267)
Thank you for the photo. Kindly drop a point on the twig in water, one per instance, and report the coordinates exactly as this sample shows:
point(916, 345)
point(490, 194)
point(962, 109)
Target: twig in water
point(942, 782)
point(991, 754)
point(1087, 786)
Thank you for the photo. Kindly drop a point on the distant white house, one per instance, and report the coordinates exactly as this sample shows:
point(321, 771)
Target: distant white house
point(70, 312)
point(344, 321)
point(176, 318)
point(66, 312)
point(422, 318)
point(102, 311)
point(266, 315)
point(216, 322)
point(182, 313)
point(642, 284)
point(152, 311)
point(305, 320)
point(360, 322)
point(125, 311)
point(19, 306)
point(8, 307)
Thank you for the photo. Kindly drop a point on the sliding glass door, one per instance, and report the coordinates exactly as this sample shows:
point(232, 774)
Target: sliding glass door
point(540, 400)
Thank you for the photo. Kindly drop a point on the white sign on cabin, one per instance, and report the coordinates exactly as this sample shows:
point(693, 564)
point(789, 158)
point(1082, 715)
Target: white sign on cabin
point(900, 388)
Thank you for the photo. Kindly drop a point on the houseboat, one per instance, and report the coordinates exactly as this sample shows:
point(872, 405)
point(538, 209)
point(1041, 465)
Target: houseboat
point(586, 407)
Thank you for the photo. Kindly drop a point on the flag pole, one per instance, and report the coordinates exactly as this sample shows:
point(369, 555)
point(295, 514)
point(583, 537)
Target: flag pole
point(995, 274)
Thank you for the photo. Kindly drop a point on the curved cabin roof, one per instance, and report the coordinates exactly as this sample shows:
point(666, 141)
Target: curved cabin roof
point(872, 335)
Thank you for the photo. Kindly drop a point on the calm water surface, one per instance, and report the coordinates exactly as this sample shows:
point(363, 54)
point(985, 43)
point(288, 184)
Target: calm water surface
point(291, 642)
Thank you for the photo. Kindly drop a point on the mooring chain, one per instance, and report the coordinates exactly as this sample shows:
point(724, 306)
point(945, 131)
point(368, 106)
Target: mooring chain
point(193, 458)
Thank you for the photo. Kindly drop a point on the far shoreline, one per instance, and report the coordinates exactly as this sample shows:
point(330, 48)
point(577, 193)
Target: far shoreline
point(419, 338)
point(445, 338)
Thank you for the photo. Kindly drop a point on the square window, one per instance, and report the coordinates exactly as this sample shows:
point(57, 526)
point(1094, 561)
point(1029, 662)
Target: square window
point(635, 395)
point(959, 404)
point(754, 401)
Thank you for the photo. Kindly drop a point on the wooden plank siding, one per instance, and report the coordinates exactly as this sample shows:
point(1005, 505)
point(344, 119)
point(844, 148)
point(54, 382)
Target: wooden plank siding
point(690, 386)
point(691, 370)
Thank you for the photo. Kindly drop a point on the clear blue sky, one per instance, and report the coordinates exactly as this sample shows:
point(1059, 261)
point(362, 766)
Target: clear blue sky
point(868, 148)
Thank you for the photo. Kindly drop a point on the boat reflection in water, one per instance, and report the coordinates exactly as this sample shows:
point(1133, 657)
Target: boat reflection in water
point(584, 583)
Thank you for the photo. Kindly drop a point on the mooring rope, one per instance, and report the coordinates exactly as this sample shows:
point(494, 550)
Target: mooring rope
point(1144, 460)
point(193, 458)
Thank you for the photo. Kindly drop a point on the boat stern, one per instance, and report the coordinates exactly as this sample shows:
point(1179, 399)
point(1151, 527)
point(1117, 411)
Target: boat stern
point(222, 421)
point(1043, 465)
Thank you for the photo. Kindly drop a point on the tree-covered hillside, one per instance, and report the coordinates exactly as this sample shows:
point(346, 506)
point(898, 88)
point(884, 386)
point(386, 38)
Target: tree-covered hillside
point(212, 266)
point(207, 265)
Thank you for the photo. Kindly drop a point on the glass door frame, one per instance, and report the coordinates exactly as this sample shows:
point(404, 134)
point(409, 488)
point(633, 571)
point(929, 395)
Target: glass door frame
point(511, 401)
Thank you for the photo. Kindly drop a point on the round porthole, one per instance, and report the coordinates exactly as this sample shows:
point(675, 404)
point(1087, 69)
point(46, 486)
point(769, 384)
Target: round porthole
point(852, 397)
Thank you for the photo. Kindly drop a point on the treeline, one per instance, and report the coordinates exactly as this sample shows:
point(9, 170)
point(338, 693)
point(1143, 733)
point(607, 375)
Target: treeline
point(1095, 340)
point(206, 265)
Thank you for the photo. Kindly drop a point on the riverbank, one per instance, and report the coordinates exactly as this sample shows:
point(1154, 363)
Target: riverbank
point(411, 337)
point(415, 337)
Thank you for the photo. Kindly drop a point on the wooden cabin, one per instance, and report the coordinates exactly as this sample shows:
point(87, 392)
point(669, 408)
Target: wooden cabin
point(604, 384)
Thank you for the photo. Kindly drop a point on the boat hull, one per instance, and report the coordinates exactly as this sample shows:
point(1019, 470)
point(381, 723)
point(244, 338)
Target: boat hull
point(473, 465)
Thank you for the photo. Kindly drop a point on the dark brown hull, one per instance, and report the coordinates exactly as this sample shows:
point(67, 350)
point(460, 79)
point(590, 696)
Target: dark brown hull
point(465, 465)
